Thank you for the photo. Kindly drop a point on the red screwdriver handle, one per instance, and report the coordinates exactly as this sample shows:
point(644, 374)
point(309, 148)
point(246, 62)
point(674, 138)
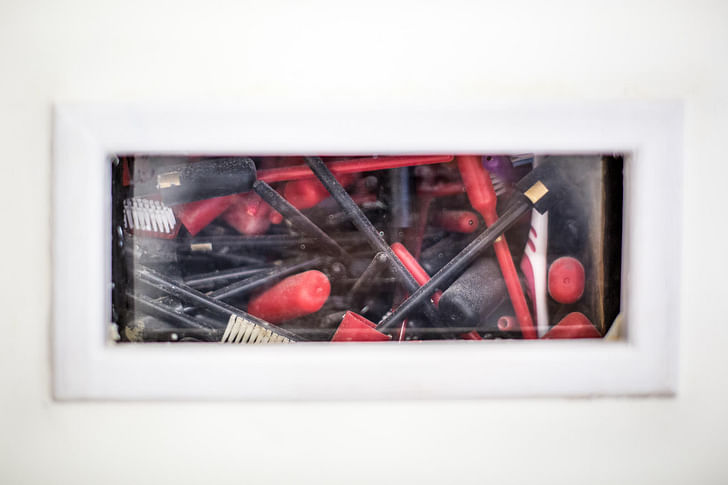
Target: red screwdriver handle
point(295, 296)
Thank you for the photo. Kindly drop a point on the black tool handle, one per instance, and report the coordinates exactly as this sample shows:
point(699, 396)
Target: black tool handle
point(473, 295)
point(213, 177)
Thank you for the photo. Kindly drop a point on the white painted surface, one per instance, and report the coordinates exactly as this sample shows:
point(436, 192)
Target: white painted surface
point(374, 54)
point(86, 368)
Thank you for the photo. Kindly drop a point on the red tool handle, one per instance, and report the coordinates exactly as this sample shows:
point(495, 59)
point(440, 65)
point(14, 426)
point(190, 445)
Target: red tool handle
point(196, 215)
point(483, 199)
point(295, 296)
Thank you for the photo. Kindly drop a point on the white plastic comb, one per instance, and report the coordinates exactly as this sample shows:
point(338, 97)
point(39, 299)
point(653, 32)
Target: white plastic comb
point(148, 215)
point(242, 331)
point(498, 184)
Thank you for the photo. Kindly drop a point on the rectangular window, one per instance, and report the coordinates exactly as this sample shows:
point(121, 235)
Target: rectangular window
point(281, 249)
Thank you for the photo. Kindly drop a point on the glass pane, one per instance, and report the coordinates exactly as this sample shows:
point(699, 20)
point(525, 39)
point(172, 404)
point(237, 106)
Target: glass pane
point(279, 249)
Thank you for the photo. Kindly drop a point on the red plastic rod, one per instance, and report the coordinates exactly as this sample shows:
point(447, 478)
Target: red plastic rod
point(355, 328)
point(356, 165)
point(457, 221)
point(483, 199)
point(295, 296)
point(566, 280)
point(414, 267)
point(573, 325)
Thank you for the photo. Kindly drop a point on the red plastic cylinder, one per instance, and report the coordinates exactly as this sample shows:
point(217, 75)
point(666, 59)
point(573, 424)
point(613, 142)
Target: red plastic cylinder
point(417, 271)
point(566, 280)
point(507, 323)
point(457, 221)
point(295, 296)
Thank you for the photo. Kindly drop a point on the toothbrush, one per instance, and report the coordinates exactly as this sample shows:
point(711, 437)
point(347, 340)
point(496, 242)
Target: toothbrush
point(533, 264)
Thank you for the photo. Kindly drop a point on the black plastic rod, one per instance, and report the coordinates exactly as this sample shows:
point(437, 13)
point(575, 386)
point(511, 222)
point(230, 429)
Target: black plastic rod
point(272, 275)
point(366, 280)
point(166, 313)
point(215, 277)
point(297, 219)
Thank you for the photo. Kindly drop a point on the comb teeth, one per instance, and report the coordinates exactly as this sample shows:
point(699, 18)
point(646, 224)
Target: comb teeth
point(242, 331)
point(148, 215)
point(498, 184)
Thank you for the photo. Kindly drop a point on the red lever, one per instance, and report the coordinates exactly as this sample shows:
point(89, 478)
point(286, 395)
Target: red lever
point(295, 296)
point(573, 325)
point(483, 199)
point(355, 328)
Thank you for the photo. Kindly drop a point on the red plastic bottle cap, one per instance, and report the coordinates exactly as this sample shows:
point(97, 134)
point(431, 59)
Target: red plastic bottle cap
point(566, 280)
point(573, 325)
point(295, 296)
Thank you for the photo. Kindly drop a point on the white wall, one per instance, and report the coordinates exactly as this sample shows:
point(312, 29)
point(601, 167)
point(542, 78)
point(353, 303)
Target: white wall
point(371, 53)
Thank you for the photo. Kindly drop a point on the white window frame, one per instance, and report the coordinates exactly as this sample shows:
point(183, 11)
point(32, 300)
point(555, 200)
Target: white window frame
point(86, 366)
